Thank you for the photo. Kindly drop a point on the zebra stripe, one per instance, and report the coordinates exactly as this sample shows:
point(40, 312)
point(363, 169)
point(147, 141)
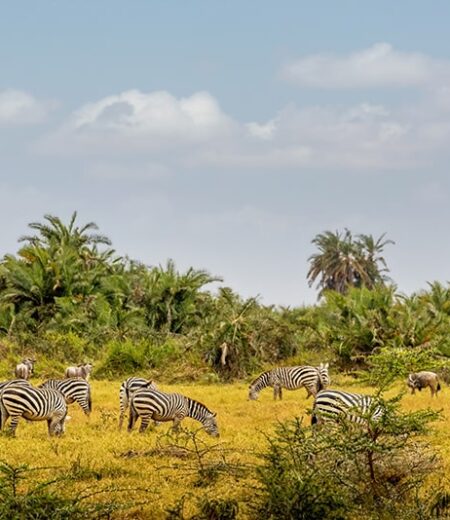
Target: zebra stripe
point(23, 382)
point(33, 404)
point(332, 404)
point(159, 406)
point(291, 378)
point(128, 387)
point(74, 390)
point(324, 376)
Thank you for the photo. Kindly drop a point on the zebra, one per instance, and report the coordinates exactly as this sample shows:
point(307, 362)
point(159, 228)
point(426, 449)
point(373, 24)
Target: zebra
point(25, 369)
point(153, 404)
point(291, 378)
point(358, 408)
point(74, 390)
point(83, 370)
point(33, 404)
point(127, 388)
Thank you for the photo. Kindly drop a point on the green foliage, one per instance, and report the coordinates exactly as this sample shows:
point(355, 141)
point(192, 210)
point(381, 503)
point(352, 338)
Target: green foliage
point(218, 509)
point(344, 470)
point(66, 297)
point(21, 499)
point(127, 357)
point(238, 335)
point(357, 324)
point(123, 357)
point(389, 364)
point(344, 262)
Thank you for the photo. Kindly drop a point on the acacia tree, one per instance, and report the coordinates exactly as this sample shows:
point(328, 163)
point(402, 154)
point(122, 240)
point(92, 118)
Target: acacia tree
point(343, 261)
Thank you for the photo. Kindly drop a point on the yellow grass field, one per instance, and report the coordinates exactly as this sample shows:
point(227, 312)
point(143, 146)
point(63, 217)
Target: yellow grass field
point(147, 471)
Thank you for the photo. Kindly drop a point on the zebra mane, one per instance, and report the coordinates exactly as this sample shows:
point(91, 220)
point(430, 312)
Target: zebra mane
point(261, 381)
point(198, 410)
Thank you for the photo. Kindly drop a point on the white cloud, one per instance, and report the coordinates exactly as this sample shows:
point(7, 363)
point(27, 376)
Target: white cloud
point(265, 131)
point(378, 66)
point(20, 108)
point(141, 122)
point(148, 134)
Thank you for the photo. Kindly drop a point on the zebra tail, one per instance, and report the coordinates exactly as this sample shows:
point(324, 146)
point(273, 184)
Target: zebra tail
point(314, 419)
point(89, 400)
point(319, 385)
point(132, 416)
point(438, 386)
point(2, 416)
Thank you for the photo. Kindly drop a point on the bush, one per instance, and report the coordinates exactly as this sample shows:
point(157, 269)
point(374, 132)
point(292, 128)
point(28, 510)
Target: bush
point(128, 357)
point(123, 357)
point(344, 470)
point(21, 499)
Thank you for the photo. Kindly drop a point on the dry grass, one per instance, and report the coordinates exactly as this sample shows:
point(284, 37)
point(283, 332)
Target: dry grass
point(157, 472)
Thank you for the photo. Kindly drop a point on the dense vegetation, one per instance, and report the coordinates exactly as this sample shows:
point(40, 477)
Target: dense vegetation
point(67, 297)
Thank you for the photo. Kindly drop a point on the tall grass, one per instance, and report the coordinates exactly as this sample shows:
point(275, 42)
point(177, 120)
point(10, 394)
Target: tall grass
point(151, 473)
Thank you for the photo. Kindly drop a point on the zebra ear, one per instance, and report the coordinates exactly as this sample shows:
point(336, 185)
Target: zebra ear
point(214, 414)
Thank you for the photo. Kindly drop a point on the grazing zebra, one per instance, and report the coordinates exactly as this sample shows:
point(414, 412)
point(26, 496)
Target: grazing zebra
point(291, 378)
point(127, 388)
point(74, 390)
point(83, 370)
point(33, 404)
point(332, 404)
point(153, 404)
point(25, 369)
point(423, 379)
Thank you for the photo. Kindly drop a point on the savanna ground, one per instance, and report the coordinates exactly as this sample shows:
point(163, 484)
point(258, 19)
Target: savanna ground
point(150, 473)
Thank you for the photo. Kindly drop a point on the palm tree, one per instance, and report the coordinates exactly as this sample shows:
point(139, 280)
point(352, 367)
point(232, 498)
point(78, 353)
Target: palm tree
point(57, 232)
point(375, 265)
point(171, 298)
point(343, 262)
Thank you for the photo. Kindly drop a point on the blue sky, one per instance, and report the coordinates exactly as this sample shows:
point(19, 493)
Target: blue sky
point(226, 135)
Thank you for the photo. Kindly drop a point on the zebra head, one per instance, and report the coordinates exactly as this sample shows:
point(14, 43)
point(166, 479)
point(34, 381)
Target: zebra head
point(58, 429)
point(253, 393)
point(210, 425)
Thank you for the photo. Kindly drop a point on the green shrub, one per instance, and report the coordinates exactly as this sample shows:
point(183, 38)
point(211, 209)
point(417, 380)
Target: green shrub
point(344, 470)
point(123, 357)
point(21, 499)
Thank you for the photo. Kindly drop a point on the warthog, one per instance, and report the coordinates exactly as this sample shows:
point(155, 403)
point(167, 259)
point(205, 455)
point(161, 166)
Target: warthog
point(83, 370)
point(25, 369)
point(419, 380)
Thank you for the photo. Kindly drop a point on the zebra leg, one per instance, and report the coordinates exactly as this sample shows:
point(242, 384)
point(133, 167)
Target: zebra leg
point(13, 426)
point(276, 391)
point(4, 415)
point(123, 407)
point(145, 420)
point(85, 408)
point(131, 418)
point(176, 424)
